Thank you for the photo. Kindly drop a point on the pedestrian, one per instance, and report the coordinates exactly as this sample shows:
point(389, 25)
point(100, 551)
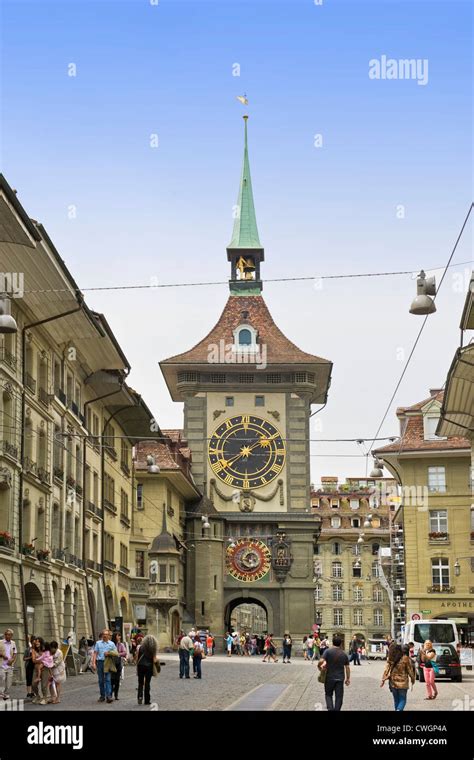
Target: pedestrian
point(309, 647)
point(43, 667)
point(198, 654)
point(426, 660)
point(398, 672)
point(336, 672)
point(324, 646)
point(305, 648)
point(58, 672)
point(354, 651)
point(8, 655)
point(287, 644)
point(147, 665)
point(228, 642)
point(29, 667)
point(185, 647)
point(104, 648)
point(316, 648)
point(209, 644)
point(270, 649)
point(119, 663)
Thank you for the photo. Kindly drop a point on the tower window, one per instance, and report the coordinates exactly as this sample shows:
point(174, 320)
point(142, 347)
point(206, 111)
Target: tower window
point(259, 400)
point(245, 337)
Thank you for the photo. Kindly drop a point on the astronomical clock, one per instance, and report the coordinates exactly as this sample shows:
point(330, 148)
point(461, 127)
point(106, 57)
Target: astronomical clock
point(248, 560)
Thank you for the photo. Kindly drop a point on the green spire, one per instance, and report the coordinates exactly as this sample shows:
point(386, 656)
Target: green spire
point(245, 233)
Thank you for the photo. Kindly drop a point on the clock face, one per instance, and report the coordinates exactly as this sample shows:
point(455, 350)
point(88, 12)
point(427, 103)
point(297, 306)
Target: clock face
point(248, 560)
point(246, 451)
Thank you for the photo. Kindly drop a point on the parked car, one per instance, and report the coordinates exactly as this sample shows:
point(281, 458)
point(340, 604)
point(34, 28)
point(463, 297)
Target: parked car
point(448, 662)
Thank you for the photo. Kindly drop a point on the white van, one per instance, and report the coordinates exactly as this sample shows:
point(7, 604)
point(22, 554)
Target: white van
point(436, 631)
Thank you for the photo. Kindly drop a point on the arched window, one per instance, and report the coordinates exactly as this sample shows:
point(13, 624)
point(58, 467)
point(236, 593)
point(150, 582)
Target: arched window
point(245, 337)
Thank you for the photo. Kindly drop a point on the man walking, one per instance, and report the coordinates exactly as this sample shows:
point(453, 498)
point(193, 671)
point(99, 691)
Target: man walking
point(103, 648)
point(185, 646)
point(8, 654)
point(354, 651)
point(335, 663)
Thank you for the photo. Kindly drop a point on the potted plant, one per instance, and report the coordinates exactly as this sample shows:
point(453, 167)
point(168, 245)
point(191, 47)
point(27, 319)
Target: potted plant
point(6, 539)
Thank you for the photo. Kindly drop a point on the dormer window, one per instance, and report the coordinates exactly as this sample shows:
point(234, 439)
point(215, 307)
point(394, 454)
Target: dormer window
point(430, 423)
point(245, 338)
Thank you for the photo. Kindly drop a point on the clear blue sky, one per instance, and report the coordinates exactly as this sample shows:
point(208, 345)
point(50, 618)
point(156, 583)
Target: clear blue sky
point(165, 212)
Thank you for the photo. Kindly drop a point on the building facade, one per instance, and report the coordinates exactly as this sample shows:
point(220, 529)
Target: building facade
point(435, 513)
point(68, 421)
point(349, 595)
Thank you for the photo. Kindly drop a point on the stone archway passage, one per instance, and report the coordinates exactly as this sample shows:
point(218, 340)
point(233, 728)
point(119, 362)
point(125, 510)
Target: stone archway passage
point(249, 620)
point(6, 616)
point(34, 609)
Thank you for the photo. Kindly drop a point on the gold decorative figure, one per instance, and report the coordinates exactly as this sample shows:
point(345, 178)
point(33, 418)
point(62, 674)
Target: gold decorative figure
point(246, 268)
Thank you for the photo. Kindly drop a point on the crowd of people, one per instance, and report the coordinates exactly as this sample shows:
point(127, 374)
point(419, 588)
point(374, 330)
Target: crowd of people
point(45, 667)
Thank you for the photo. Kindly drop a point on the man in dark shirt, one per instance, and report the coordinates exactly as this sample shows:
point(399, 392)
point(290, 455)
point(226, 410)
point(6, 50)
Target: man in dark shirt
point(336, 664)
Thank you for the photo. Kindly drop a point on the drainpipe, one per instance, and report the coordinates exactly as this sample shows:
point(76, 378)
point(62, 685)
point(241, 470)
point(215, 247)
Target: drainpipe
point(22, 450)
point(84, 462)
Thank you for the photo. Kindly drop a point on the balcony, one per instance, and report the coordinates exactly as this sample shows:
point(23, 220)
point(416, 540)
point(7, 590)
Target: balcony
point(44, 476)
point(7, 358)
point(30, 382)
point(73, 559)
point(440, 589)
point(9, 449)
point(111, 452)
point(163, 592)
point(60, 395)
point(7, 543)
point(30, 467)
point(97, 511)
point(110, 506)
point(43, 397)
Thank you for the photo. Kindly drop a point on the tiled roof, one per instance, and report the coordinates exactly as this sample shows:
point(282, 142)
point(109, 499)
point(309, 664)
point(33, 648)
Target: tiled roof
point(413, 437)
point(279, 349)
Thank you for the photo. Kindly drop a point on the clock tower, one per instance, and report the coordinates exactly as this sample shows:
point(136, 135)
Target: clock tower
point(247, 393)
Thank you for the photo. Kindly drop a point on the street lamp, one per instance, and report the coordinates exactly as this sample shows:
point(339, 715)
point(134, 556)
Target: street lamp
point(425, 287)
point(7, 323)
point(151, 465)
point(457, 564)
point(377, 471)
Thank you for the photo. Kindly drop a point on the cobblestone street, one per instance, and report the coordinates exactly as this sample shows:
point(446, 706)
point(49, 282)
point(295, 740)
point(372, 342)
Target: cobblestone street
point(249, 684)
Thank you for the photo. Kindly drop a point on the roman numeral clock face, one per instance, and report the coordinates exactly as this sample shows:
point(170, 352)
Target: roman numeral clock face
point(246, 452)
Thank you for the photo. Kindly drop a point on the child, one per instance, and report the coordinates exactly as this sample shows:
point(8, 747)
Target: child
point(58, 672)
